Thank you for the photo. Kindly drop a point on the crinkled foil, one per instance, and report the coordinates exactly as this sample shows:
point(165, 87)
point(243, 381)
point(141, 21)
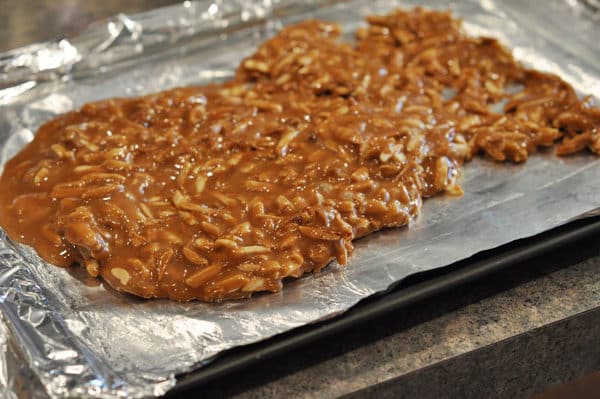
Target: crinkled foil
point(81, 339)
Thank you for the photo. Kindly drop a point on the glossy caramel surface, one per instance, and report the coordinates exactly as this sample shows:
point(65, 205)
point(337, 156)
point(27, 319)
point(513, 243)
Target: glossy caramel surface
point(216, 192)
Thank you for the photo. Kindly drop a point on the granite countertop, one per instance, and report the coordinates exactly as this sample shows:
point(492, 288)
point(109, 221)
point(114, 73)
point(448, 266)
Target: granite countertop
point(511, 334)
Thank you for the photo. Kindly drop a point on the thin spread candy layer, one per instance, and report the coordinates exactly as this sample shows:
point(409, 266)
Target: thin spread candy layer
point(220, 191)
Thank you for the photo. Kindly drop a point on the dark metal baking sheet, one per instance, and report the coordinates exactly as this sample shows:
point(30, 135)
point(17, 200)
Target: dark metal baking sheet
point(411, 290)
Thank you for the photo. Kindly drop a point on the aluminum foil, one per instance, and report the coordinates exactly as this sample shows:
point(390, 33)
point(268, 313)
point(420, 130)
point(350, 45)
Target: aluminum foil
point(82, 339)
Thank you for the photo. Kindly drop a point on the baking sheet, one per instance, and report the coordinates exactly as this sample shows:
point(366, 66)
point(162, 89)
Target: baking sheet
point(393, 304)
point(86, 340)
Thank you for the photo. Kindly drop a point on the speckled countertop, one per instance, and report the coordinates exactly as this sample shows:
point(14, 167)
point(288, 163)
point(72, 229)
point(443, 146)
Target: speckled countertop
point(511, 334)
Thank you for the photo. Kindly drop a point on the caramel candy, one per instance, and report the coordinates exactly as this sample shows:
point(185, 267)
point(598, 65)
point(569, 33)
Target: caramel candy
point(219, 191)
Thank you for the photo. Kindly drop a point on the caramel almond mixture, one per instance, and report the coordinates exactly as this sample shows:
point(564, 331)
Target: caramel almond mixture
point(220, 191)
